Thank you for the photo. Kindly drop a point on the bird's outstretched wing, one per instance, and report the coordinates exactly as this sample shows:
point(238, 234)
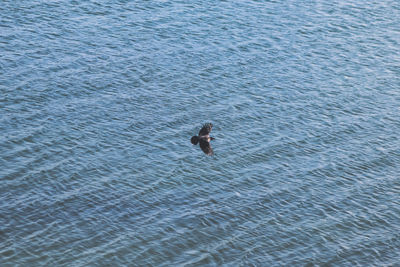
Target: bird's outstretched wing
point(206, 147)
point(206, 129)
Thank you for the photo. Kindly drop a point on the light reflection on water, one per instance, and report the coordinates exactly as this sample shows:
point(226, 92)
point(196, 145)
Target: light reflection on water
point(99, 101)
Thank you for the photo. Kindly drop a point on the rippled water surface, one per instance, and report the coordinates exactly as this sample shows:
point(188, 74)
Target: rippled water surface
point(99, 100)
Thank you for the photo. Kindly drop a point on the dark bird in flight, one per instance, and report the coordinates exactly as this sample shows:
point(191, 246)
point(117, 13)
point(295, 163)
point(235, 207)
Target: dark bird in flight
point(204, 139)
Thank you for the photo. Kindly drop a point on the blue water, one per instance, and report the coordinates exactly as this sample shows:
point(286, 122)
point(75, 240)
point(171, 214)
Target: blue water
point(99, 100)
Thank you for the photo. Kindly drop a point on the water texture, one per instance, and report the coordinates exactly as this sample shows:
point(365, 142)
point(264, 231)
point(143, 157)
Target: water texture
point(99, 100)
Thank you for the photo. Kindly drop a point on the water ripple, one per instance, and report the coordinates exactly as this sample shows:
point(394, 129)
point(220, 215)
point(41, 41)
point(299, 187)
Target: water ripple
point(99, 101)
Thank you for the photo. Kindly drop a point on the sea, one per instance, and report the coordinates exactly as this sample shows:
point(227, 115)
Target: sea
point(99, 100)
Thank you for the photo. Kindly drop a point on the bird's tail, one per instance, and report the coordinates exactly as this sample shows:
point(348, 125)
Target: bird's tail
point(194, 140)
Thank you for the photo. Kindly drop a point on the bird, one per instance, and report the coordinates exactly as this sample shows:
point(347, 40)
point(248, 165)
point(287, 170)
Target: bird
point(204, 139)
